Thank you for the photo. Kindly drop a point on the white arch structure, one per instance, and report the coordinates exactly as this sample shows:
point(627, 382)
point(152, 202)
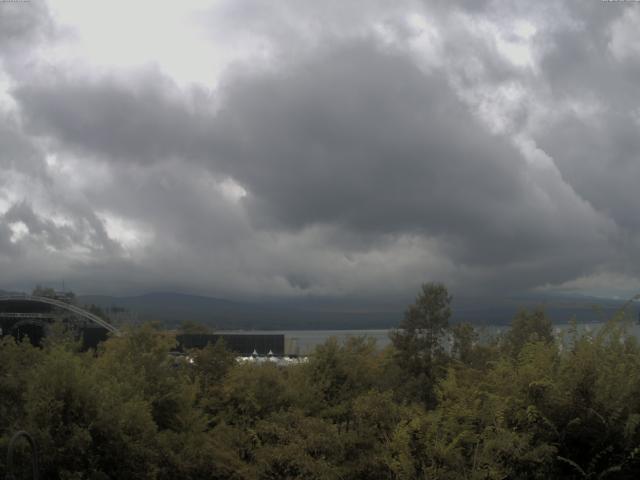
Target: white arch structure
point(65, 306)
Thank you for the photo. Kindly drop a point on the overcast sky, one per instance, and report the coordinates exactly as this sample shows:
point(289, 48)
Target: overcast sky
point(287, 148)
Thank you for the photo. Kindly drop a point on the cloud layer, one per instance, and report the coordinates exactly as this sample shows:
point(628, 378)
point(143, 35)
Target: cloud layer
point(322, 149)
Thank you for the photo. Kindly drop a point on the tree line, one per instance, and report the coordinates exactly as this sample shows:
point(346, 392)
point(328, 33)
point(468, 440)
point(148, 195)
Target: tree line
point(436, 404)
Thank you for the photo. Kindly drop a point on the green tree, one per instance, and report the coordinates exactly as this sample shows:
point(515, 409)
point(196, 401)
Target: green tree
point(465, 339)
point(212, 363)
point(336, 375)
point(210, 366)
point(190, 326)
point(527, 326)
point(418, 341)
point(252, 392)
point(292, 445)
point(17, 361)
point(140, 359)
point(84, 426)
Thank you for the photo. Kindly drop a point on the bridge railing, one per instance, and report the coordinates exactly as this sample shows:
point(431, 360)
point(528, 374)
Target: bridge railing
point(66, 306)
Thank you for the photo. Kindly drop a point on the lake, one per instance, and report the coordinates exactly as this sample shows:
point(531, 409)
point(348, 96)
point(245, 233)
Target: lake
point(303, 342)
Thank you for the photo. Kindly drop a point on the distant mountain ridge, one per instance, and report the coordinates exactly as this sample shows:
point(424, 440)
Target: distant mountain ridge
point(172, 308)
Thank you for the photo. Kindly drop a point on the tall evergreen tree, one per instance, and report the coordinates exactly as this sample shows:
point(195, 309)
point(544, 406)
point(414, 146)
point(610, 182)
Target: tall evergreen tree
point(419, 342)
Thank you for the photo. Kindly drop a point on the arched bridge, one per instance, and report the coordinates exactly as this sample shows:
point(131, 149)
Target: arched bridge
point(56, 303)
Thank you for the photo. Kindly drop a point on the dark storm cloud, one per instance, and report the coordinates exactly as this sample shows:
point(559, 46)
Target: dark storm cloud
point(601, 159)
point(590, 120)
point(354, 156)
point(595, 144)
point(364, 139)
point(355, 137)
point(144, 119)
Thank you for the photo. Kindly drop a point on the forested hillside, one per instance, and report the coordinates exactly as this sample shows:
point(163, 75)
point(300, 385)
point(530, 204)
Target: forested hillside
point(525, 405)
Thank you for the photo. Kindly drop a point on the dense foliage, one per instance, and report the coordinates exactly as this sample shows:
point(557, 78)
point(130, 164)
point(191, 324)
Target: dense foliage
point(436, 404)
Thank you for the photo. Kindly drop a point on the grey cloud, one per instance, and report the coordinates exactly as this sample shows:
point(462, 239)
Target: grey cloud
point(141, 120)
point(17, 152)
point(600, 158)
point(182, 202)
point(58, 238)
point(347, 149)
point(592, 130)
point(22, 24)
point(365, 140)
point(7, 248)
point(88, 231)
point(355, 137)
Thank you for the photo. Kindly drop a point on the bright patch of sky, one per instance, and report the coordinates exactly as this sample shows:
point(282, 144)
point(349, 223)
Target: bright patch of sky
point(5, 203)
point(123, 35)
point(112, 34)
point(232, 190)
point(603, 284)
point(127, 233)
point(516, 44)
point(7, 102)
point(19, 230)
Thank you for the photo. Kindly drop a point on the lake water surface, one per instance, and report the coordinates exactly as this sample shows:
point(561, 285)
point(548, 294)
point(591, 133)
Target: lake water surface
point(303, 342)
